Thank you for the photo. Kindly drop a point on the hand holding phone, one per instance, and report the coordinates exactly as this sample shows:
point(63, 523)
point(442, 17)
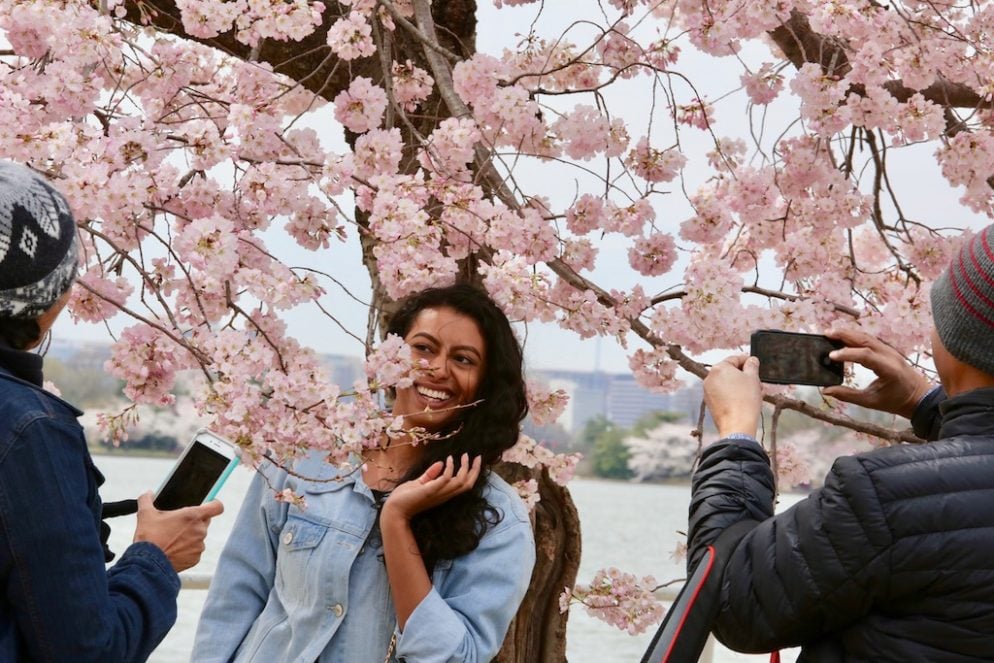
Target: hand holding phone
point(794, 358)
point(734, 396)
point(898, 386)
point(179, 533)
point(199, 473)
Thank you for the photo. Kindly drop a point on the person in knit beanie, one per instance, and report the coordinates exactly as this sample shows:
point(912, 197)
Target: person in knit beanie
point(891, 559)
point(58, 600)
point(963, 303)
point(39, 254)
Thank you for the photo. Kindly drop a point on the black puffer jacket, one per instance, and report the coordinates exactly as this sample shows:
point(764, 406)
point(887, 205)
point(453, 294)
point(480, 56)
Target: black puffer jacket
point(892, 560)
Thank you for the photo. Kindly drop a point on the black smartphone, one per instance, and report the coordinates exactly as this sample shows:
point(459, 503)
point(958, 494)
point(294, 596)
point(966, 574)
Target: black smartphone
point(199, 473)
point(793, 358)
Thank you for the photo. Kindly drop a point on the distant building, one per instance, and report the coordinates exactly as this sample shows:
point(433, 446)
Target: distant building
point(616, 396)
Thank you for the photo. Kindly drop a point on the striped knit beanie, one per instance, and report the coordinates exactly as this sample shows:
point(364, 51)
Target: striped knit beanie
point(963, 303)
point(39, 252)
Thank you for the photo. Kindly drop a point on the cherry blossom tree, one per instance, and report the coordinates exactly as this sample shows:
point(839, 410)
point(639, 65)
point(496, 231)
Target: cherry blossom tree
point(747, 160)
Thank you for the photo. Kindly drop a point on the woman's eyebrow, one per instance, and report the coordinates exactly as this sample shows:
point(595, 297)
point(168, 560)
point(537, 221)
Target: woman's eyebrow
point(468, 348)
point(458, 348)
point(427, 336)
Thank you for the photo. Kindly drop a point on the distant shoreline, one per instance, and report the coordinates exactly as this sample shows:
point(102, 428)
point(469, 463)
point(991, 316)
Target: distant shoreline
point(131, 453)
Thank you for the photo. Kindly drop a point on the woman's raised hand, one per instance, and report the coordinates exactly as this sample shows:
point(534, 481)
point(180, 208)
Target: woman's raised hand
point(439, 483)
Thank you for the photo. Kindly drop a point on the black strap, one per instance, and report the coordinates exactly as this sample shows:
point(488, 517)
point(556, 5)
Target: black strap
point(113, 510)
point(121, 508)
point(685, 629)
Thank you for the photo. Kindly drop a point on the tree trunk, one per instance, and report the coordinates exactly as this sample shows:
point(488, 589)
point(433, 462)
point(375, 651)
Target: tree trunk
point(538, 632)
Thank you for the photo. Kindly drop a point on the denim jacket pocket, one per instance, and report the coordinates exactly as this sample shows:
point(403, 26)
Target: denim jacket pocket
point(300, 534)
point(298, 564)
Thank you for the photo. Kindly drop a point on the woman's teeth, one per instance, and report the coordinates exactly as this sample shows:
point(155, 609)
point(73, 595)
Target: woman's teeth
point(433, 394)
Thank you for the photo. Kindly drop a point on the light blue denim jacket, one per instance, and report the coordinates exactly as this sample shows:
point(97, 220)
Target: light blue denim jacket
point(310, 585)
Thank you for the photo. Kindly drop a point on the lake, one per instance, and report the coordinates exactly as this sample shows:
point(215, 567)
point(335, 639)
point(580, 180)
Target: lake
point(633, 527)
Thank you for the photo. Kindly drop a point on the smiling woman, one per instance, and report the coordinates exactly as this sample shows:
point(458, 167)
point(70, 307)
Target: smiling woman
point(424, 554)
point(452, 346)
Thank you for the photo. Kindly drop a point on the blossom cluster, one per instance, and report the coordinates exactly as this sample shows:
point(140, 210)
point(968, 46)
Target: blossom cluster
point(618, 598)
point(531, 454)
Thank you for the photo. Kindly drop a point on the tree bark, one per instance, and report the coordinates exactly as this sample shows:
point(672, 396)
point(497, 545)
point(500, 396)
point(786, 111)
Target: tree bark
point(538, 633)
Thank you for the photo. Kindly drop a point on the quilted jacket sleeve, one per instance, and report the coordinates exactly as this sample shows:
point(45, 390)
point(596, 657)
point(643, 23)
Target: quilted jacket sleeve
point(801, 574)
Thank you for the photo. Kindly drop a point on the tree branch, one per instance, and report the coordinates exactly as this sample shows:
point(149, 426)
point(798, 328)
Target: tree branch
point(801, 45)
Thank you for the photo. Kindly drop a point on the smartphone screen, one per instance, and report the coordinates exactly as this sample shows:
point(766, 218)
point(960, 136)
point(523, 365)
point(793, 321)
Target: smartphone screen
point(793, 358)
point(193, 478)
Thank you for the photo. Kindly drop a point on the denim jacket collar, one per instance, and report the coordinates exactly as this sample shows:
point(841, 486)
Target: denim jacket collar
point(21, 364)
point(322, 477)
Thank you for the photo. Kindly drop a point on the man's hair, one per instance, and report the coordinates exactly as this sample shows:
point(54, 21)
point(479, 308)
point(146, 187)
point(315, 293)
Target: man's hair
point(19, 333)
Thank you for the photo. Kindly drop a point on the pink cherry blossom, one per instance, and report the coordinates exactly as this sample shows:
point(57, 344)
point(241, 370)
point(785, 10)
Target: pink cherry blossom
point(763, 86)
point(361, 107)
point(147, 362)
point(411, 85)
point(545, 405)
point(653, 255)
point(655, 165)
point(96, 298)
point(620, 599)
point(350, 37)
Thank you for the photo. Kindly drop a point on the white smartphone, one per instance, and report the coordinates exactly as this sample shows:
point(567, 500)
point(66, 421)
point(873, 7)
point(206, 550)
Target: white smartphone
point(199, 473)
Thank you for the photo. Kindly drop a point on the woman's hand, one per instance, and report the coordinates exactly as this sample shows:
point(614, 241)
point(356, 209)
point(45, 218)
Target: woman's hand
point(898, 386)
point(409, 581)
point(439, 483)
point(734, 395)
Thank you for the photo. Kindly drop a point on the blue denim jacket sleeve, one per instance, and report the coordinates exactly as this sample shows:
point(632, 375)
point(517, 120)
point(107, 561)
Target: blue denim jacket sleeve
point(245, 572)
point(63, 602)
point(465, 615)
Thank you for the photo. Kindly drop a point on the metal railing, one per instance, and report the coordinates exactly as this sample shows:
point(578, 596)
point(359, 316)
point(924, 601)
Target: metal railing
point(194, 580)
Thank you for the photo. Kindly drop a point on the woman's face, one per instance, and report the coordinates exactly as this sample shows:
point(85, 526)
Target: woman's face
point(453, 347)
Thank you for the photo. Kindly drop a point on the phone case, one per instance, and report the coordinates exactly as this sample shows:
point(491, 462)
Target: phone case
point(199, 472)
point(796, 358)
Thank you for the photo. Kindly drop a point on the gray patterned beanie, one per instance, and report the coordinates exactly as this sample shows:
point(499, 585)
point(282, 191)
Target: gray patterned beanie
point(39, 251)
point(963, 303)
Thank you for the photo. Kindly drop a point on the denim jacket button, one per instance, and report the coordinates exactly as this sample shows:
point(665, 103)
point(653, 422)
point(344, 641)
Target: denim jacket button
point(287, 538)
point(338, 609)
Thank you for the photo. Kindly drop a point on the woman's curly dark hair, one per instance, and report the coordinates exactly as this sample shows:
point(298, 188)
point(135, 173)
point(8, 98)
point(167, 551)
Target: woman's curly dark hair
point(455, 527)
